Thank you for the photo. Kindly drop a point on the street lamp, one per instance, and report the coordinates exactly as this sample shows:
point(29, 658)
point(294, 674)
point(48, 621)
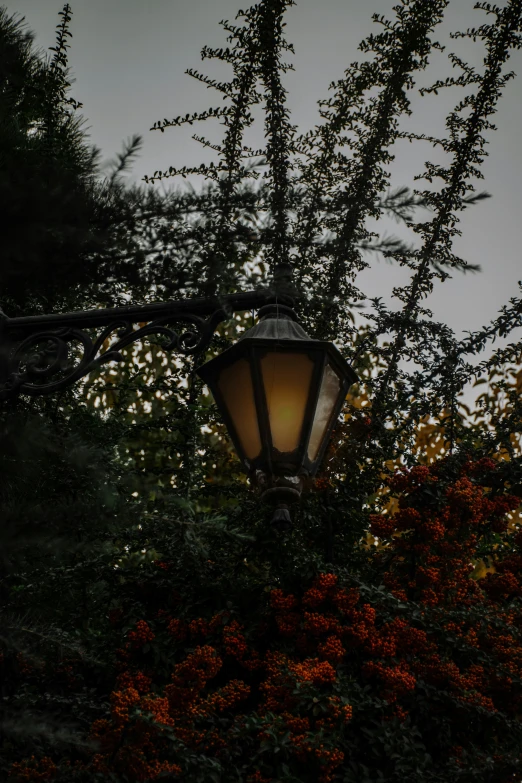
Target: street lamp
point(279, 393)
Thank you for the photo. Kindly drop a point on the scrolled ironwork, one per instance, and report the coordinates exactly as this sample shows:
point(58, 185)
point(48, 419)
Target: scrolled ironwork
point(37, 354)
point(196, 340)
point(44, 362)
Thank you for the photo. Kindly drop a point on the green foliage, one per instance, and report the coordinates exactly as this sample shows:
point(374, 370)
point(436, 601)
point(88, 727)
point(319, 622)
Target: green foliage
point(45, 165)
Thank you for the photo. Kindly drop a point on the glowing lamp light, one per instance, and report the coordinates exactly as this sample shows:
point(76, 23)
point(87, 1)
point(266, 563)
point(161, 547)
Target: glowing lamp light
point(279, 393)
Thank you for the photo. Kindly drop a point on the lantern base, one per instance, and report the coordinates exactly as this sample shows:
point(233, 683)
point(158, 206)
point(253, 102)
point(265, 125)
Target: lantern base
point(280, 492)
point(277, 495)
point(281, 516)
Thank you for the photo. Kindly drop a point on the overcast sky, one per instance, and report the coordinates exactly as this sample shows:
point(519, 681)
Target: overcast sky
point(129, 57)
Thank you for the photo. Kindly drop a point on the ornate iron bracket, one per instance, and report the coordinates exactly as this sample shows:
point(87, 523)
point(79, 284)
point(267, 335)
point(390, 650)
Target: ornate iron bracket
point(45, 353)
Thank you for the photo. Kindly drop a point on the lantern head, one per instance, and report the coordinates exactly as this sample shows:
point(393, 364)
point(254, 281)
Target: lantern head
point(279, 393)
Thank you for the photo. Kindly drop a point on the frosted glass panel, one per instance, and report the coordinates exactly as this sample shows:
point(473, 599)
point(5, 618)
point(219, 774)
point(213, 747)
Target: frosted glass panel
point(235, 384)
point(328, 394)
point(286, 378)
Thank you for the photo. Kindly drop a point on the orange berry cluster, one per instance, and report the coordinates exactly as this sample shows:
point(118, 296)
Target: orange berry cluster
point(138, 681)
point(397, 679)
point(141, 635)
point(192, 674)
point(330, 760)
point(121, 703)
point(288, 623)
point(279, 688)
point(313, 670)
point(281, 602)
point(323, 586)
point(33, 770)
point(382, 526)
point(177, 629)
point(227, 697)
point(405, 481)
point(137, 756)
point(318, 624)
point(332, 649)
point(158, 707)
point(235, 644)
point(345, 600)
point(199, 627)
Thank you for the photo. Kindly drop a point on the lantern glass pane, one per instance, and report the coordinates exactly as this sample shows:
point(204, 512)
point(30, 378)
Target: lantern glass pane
point(235, 385)
point(328, 396)
point(286, 379)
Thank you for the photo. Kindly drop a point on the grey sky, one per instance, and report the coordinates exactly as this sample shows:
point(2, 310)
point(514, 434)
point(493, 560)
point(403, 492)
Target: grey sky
point(129, 57)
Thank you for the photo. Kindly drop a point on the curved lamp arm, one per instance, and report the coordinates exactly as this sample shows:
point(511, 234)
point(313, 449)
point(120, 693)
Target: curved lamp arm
point(37, 356)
